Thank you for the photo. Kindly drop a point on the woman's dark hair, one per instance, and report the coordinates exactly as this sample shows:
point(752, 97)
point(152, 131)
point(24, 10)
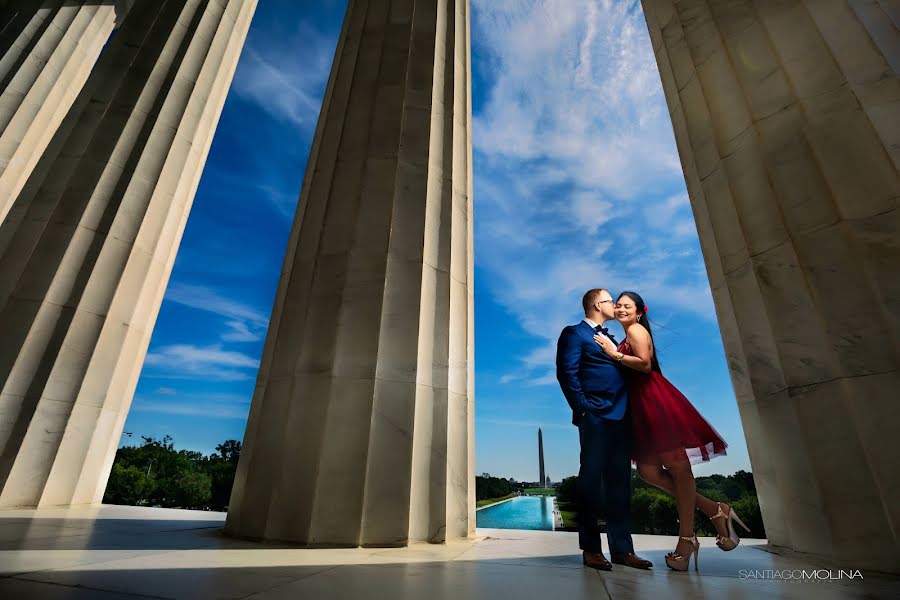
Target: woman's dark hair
point(643, 320)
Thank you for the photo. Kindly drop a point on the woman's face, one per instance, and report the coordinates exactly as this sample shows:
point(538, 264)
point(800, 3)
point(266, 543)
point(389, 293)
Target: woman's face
point(626, 311)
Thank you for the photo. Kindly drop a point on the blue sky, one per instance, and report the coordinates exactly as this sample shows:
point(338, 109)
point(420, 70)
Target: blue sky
point(577, 185)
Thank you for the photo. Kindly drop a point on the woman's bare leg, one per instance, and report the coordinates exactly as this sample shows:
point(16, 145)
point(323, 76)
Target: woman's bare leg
point(685, 500)
point(657, 476)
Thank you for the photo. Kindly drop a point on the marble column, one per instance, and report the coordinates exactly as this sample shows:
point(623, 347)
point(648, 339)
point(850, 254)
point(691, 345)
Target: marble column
point(47, 51)
point(84, 265)
point(787, 119)
point(361, 426)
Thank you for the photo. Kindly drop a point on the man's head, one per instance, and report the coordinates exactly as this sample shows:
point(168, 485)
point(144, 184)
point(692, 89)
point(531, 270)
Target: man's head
point(598, 305)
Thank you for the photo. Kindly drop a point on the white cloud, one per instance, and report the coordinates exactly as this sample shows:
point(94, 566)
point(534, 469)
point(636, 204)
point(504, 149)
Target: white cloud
point(577, 179)
point(577, 83)
point(240, 332)
point(204, 298)
point(220, 412)
point(664, 211)
point(281, 195)
point(541, 355)
point(186, 361)
point(548, 378)
point(222, 405)
point(244, 324)
point(289, 89)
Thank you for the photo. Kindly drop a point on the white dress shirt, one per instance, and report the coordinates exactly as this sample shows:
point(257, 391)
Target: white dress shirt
point(593, 325)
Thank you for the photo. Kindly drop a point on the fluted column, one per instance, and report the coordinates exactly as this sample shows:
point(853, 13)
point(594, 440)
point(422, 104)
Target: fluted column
point(47, 51)
point(360, 430)
point(786, 117)
point(84, 266)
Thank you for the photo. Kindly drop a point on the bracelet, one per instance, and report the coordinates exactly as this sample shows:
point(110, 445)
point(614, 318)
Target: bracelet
point(620, 357)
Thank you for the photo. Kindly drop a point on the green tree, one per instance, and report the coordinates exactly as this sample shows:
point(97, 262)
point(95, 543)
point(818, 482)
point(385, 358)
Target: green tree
point(568, 491)
point(170, 478)
point(128, 485)
point(222, 468)
point(230, 450)
point(663, 515)
point(733, 490)
point(653, 511)
point(491, 487)
point(745, 479)
point(641, 500)
point(748, 509)
point(189, 489)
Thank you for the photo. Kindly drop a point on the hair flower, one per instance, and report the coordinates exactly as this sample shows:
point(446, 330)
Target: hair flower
point(646, 309)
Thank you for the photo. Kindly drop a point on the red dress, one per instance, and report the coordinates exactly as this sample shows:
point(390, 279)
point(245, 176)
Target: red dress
point(665, 426)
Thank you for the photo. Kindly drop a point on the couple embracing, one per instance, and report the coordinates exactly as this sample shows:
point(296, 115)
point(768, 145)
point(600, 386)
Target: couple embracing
point(626, 411)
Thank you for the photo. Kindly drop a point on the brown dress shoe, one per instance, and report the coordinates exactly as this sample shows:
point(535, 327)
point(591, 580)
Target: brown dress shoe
point(630, 559)
point(596, 560)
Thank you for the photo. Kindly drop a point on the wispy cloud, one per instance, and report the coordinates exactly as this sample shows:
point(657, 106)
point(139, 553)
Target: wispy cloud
point(186, 361)
point(577, 178)
point(283, 73)
point(577, 83)
point(205, 410)
point(548, 378)
point(204, 298)
point(239, 331)
point(276, 188)
point(219, 405)
point(244, 324)
point(287, 88)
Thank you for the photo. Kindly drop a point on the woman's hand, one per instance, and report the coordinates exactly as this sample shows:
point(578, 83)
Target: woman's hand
point(606, 344)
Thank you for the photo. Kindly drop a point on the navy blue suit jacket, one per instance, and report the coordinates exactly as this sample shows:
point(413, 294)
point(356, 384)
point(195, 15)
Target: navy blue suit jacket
point(591, 381)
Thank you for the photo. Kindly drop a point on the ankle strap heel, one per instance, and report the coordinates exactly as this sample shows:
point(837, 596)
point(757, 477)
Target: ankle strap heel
point(680, 562)
point(731, 540)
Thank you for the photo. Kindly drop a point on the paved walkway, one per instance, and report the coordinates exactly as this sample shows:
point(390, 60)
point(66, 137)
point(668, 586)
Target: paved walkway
point(114, 552)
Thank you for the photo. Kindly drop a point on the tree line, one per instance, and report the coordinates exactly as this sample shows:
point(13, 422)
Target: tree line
point(155, 474)
point(487, 487)
point(653, 511)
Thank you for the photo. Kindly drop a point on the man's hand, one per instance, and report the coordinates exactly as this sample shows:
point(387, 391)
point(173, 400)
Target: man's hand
point(606, 344)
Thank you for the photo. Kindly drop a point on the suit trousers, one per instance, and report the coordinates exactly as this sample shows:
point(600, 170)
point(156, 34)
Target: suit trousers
point(604, 484)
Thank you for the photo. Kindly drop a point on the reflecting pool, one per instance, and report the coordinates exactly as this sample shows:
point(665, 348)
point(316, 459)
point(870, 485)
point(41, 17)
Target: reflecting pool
point(523, 512)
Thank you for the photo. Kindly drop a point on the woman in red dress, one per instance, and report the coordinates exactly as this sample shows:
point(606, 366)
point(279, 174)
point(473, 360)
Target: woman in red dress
point(668, 434)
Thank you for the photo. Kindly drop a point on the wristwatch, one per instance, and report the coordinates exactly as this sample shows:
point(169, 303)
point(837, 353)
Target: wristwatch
point(620, 356)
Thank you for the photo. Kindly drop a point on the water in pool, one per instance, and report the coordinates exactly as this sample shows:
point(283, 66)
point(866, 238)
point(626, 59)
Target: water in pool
point(524, 512)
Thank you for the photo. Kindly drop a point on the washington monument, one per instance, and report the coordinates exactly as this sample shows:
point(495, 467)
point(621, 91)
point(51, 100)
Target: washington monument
point(542, 480)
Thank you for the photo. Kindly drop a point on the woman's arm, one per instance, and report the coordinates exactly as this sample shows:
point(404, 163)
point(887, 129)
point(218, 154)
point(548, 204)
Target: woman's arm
point(642, 346)
point(639, 362)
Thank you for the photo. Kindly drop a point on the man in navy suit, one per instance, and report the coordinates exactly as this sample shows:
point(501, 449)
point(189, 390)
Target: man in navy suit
point(594, 386)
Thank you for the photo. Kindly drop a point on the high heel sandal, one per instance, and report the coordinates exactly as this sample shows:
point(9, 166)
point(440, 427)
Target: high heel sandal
point(730, 541)
point(680, 562)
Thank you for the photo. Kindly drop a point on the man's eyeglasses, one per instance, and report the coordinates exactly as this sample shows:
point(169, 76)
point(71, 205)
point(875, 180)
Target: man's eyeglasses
point(602, 301)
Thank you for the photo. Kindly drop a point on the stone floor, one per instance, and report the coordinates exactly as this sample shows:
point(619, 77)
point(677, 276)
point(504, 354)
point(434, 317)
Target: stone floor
point(114, 552)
